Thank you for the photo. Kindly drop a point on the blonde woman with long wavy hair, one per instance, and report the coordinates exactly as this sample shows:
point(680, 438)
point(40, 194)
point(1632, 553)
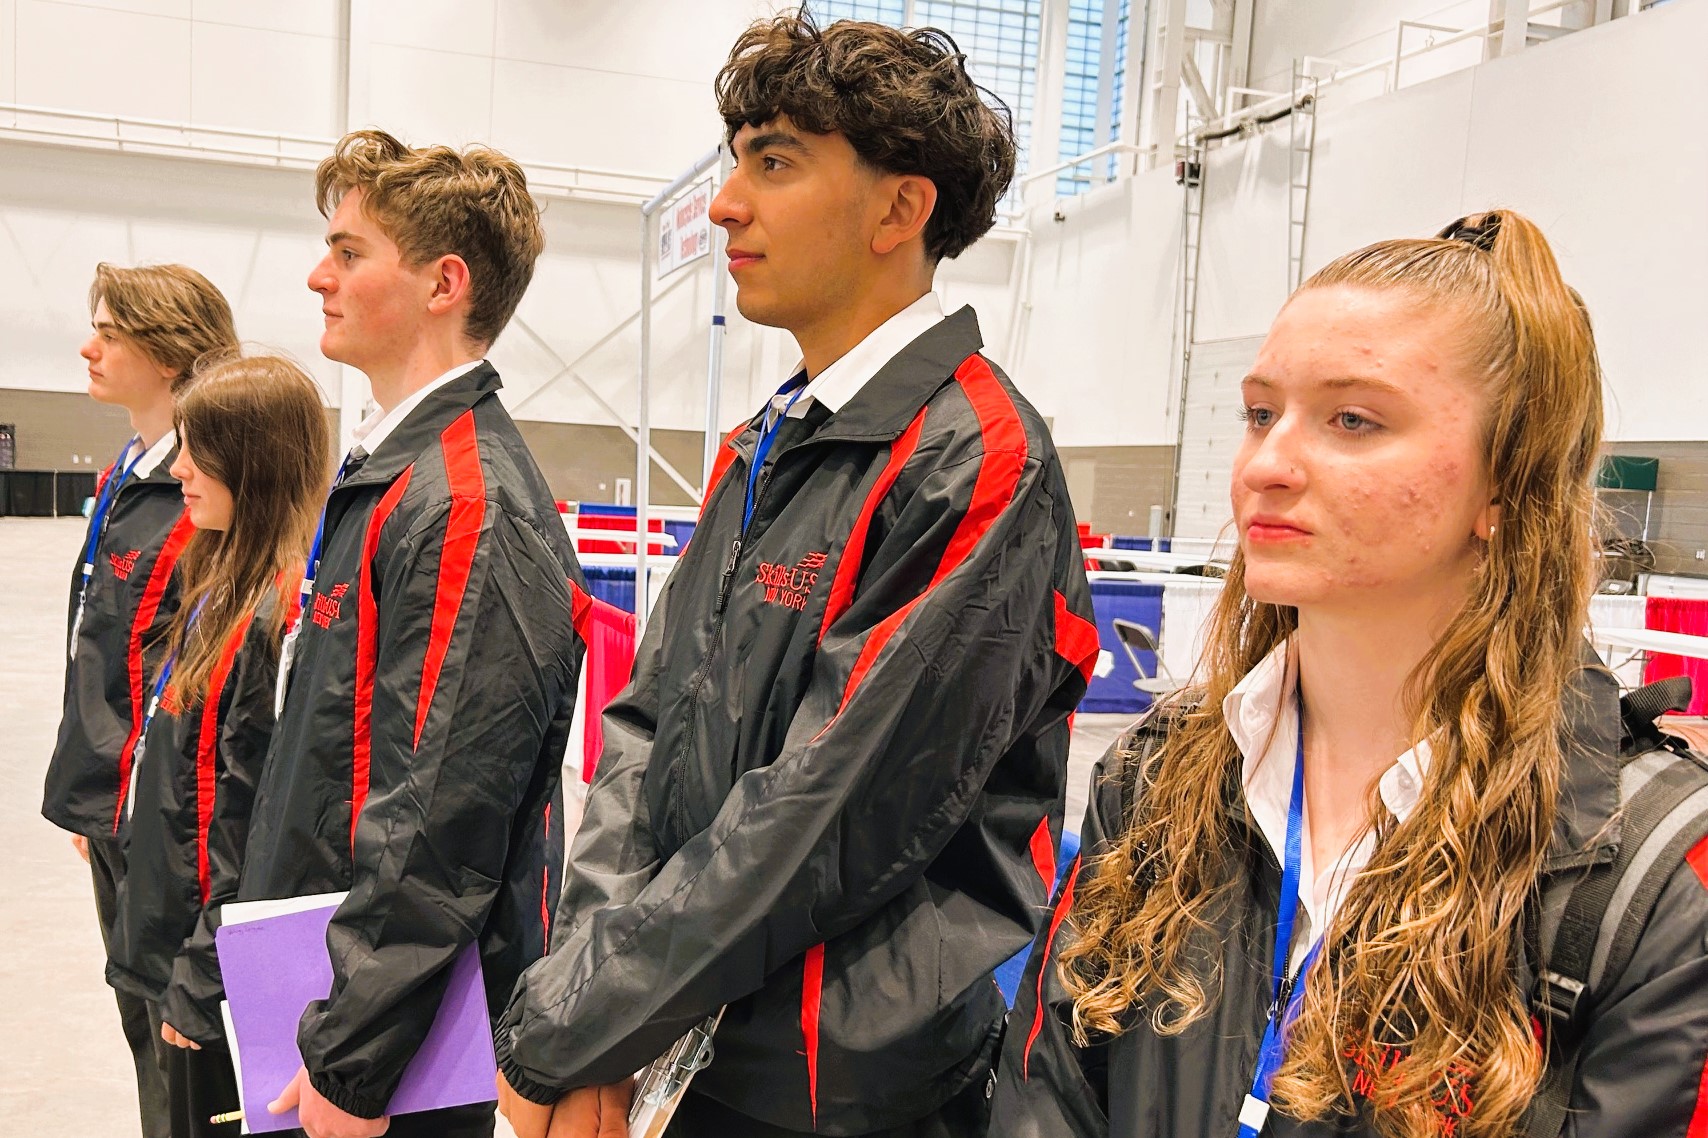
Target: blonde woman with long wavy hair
point(1398, 736)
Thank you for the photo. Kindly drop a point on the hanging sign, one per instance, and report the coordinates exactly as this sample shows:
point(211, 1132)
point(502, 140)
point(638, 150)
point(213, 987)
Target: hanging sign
point(685, 229)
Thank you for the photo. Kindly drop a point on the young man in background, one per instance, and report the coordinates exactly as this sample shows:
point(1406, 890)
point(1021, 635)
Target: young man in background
point(150, 326)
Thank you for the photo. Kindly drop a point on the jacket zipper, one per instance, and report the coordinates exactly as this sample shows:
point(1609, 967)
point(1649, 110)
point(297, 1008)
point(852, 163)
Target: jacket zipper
point(679, 776)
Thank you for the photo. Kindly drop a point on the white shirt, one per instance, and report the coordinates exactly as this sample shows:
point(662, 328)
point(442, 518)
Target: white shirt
point(372, 431)
point(1262, 714)
point(842, 380)
point(153, 456)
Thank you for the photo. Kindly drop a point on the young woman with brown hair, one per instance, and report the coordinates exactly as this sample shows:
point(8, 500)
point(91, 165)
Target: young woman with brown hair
point(254, 460)
point(1307, 880)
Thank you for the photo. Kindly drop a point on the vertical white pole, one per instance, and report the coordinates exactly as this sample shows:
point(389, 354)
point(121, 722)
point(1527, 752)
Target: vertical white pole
point(643, 422)
point(715, 338)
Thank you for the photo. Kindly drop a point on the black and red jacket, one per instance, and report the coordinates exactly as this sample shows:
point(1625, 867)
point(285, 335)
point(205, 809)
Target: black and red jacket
point(195, 784)
point(132, 597)
point(418, 756)
point(831, 796)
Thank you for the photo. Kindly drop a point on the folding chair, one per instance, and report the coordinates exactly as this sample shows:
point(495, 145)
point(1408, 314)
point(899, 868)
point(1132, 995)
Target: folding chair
point(1136, 638)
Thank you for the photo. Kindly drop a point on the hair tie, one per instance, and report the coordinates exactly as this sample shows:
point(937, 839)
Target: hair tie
point(1480, 236)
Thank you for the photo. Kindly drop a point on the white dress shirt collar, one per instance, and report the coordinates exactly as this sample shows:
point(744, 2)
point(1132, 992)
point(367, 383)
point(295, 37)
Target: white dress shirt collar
point(154, 455)
point(842, 380)
point(1262, 714)
point(372, 431)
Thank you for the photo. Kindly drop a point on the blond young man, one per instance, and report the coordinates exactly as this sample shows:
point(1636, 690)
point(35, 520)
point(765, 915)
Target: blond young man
point(149, 326)
point(428, 689)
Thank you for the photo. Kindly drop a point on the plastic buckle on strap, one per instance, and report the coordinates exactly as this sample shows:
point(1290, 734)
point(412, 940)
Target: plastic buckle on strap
point(1558, 996)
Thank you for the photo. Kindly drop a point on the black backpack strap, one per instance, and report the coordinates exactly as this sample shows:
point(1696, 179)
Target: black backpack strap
point(1605, 908)
point(1640, 709)
point(1611, 902)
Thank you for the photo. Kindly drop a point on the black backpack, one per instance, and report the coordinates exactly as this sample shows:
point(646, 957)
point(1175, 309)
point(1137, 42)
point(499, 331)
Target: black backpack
point(1663, 793)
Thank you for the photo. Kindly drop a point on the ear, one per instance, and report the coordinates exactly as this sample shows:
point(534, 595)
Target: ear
point(1488, 520)
point(908, 200)
point(450, 283)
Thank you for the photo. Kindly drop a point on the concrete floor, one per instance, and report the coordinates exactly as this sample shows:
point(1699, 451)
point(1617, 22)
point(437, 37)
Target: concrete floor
point(66, 1068)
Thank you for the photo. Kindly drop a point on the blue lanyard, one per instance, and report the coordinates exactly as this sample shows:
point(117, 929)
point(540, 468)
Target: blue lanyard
point(166, 674)
point(1287, 995)
point(311, 569)
point(104, 502)
point(767, 436)
point(154, 701)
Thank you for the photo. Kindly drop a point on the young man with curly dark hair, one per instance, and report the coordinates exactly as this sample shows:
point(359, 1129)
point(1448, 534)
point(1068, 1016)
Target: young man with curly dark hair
point(830, 799)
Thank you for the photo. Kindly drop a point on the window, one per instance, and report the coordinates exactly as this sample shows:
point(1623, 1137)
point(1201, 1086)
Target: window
point(1091, 99)
point(999, 37)
point(877, 11)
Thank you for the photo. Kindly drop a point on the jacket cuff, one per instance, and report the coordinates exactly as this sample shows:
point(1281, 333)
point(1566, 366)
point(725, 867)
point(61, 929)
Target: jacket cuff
point(189, 1016)
point(535, 1092)
point(345, 1099)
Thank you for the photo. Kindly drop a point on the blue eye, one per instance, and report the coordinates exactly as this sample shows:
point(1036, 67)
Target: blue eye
point(1354, 422)
point(1256, 418)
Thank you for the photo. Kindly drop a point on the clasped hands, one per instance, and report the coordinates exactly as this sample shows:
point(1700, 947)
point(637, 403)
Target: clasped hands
point(588, 1112)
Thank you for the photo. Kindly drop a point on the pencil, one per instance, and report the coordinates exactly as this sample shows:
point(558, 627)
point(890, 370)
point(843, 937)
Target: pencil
point(228, 1116)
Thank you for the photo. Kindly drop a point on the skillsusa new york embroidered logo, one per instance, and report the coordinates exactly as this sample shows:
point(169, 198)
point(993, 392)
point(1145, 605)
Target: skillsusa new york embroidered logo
point(326, 605)
point(1455, 1095)
point(788, 585)
point(124, 562)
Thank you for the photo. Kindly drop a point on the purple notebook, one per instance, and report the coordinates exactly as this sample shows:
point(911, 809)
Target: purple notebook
point(274, 967)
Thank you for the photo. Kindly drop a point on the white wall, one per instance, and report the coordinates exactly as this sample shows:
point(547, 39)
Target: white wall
point(1096, 338)
point(624, 86)
point(1350, 33)
point(1595, 136)
point(548, 80)
point(255, 234)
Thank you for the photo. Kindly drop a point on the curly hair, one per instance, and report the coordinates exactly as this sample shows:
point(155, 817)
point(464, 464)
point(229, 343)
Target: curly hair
point(1421, 953)
point(902, 99)
point(173, 313)
point(435, 201)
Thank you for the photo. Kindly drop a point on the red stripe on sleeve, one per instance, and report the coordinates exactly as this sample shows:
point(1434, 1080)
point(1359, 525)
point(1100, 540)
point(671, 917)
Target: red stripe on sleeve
point(854, 552)
point(721, 464)
point(1038, 1014)
point(999, 473)
point(456, 558)
point(176, 539)
point(812, 989)
point(367, 652)
point(1697, 859)
point(999, 470)
point(207, 754)
point(1076, 639)
point(546, 888)
point(1044, 855)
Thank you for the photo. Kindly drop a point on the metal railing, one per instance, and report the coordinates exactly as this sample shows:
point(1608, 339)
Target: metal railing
point(1233, 120)
point(133, 135)
point(1274, 104)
